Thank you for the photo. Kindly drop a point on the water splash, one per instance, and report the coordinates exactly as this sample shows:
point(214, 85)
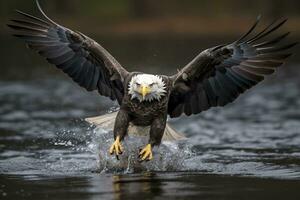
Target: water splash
point(169, 156)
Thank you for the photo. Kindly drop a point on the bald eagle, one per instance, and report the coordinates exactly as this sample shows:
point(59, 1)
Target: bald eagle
point(216, 77)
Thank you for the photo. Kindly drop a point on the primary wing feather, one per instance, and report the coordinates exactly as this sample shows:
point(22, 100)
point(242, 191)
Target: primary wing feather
point(84, 60)
point(217, 76)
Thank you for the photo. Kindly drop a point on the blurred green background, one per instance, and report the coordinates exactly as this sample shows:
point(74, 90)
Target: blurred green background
point(145, 35)
point(159, 16)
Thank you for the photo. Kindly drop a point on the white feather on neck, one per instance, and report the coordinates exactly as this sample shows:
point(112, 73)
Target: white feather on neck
point(156, 83)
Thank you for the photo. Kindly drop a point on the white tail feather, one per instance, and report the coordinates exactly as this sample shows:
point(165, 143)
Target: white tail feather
point(107, 121)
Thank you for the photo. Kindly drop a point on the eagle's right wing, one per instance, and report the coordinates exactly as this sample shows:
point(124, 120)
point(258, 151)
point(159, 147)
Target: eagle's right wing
point(83, 59)
point(217, 76)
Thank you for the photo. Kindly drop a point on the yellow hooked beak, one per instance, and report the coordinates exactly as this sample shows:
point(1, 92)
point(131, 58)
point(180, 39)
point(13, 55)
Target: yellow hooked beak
point(144, 90)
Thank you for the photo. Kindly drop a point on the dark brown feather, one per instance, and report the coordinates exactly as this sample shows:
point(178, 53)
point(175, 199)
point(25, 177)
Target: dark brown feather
point(226, 71)
point(84, 60)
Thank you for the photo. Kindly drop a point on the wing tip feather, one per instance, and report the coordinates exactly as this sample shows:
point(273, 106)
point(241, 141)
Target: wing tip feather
point(250, 30)
point(44, 14)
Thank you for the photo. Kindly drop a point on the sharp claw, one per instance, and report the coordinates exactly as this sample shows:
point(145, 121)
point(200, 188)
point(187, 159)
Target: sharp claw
point(111, 152)
point(146, 154)
point(116, 148)
point(144, 157)
point(120, 149)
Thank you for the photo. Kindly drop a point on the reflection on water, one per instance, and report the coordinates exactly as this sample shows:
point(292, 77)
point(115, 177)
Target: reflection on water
point(247, 147)
point(146, 186)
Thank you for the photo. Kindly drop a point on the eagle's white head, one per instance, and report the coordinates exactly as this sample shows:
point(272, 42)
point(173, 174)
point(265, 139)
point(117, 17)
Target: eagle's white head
point(146, 87)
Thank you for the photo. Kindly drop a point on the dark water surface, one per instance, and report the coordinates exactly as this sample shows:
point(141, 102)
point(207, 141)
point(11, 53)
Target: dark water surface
point(247, 150)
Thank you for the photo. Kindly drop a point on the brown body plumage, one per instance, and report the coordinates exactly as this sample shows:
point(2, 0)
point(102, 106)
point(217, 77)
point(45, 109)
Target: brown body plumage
point(144, 113)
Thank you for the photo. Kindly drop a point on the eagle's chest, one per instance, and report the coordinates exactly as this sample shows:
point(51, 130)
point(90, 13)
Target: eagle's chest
point(146, 109)
point(143, 113)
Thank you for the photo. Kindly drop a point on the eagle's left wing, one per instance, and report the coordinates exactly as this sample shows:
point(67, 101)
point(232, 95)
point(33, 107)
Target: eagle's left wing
point(82, 58)
point(217, 76)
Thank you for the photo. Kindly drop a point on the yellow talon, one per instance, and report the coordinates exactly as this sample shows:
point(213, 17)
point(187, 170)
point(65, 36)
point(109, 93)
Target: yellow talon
point(146, 153)
point(116, 147)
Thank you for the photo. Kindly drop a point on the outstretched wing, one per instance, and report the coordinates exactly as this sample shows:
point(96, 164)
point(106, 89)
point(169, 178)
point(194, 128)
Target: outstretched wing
point(217, 76)
point(83, 59)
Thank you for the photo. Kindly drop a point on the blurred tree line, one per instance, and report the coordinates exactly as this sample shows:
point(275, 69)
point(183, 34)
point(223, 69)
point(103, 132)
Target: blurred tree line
point(158, 8)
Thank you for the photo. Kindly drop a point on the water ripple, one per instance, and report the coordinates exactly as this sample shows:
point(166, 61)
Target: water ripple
point(42, 133)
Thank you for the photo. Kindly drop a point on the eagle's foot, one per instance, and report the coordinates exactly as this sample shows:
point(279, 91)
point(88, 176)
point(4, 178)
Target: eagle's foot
point(116, 148)
point(146, 153)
